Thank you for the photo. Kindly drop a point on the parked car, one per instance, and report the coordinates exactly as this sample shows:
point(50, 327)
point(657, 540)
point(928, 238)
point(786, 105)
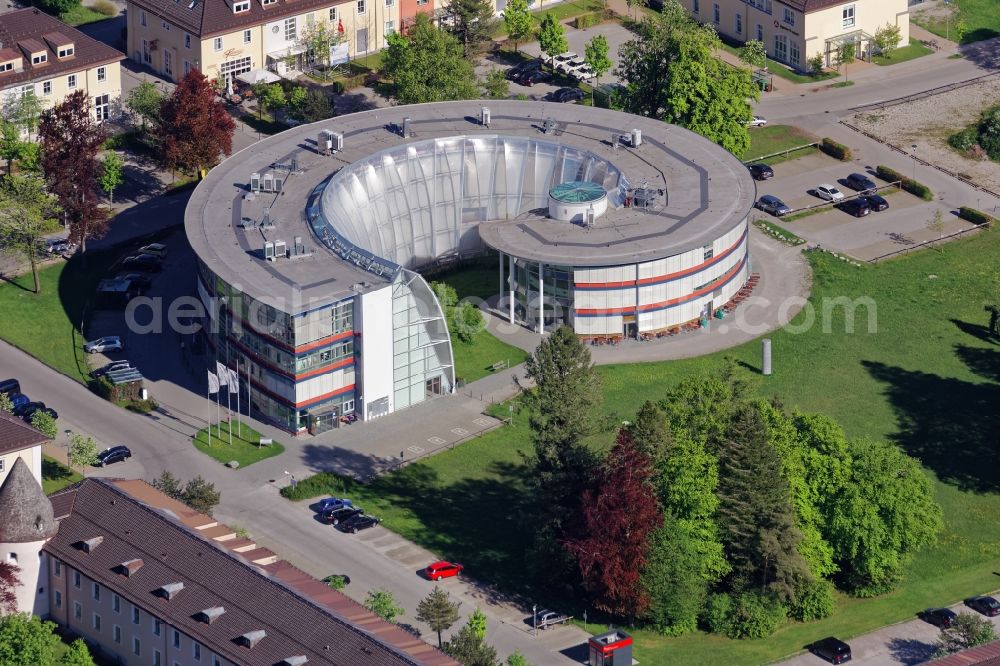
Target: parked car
point(584, 73)
point(988, 606)
point(17, 401)
point(562, 58)
point(861, 183)
point(773, 205)
point(829, 192)
point(138, 279)
point(939, 617)
point(876, 203)
point(59, 246)
point(757, 122)
point(570, 66)
point(856, 207)
point(534, 76)
point(10, 386)
point(155, 249)
point(105, 344)
point(566, 95)
point(517, 70)
point(760, 171)
point(442, 569)
point(357, 523)
point(29, 409)
point(143, 262)
point(331, 503)
point(337, 516)
point(545, 618)
point(832, 649)
point(110, 367)
point(113, 454)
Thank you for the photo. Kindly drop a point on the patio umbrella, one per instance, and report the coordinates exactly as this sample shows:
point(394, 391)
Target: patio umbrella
point(229, 86)
point(255, 76)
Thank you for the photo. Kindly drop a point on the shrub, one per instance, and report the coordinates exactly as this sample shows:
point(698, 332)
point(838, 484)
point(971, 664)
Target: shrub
point(105, 7)
point(836, 150)
point(584, 21)
point(814, 601)
point(816, 64)
point(964, 141)
point(142, 406)
point(755, 616)
point(324, 483)
point(718, 612)
point(976, 216)
point(913, 187)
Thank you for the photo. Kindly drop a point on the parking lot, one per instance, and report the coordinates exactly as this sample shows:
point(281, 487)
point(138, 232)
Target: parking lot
point(903, 225)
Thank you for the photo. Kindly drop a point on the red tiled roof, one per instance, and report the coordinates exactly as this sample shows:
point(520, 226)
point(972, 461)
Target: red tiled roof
point(205, 18)
point(15, 434)
point(984, 655)
point(28, 28)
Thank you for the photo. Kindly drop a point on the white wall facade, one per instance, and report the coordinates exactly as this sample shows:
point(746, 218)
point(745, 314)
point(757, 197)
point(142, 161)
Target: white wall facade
point(32, 593)
point(375, 393)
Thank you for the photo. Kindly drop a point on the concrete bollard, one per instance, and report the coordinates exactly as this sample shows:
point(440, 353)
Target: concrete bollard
point(765, 351)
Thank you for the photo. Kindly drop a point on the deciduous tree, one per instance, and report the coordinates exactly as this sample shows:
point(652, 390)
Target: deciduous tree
point(318, 39)
point(470, 649)
point(382, 603)
point(673, 578)
point(887, 38)
point(27, 641)
point(195, 127)
point(517, 659)
point(495, 85)
point(70, 139)
point(270, 96)
point(9, 582)
point(316, 106)
point(24, 111)
point(650, 434)
point(846, 55)
point(82, 451)
point(438, 611)
point(43, 422)
point(145, 102)
point(112, 173)
point(552, 37)
point(966, 631)
point(201, 495)
point(670, 72)
point(596, 56)
point(618, 515)
point(471, 22)
point(518, 21)
point(77, 654)
point(26, 212)
point(753, 53)
point(428, 65)
point(477, 622)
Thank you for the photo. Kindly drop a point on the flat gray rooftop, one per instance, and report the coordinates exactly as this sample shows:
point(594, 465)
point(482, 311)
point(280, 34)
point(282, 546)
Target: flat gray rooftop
point(708, 192)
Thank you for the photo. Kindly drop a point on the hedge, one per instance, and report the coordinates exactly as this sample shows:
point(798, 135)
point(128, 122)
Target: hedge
point(913, 187)
point(834, 149)
point(976, 216)
point(584, 21)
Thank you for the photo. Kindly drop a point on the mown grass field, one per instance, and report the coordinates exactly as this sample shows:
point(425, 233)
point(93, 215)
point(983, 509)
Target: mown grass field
point(912, 50)
point(243, 447)
point(981, 16)
point(928, 378)
point(776, 138)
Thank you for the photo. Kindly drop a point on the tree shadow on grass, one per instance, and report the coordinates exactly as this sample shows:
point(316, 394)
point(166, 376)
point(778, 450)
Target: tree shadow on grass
point(975, 330)
point(910, 651)
point(949, 424)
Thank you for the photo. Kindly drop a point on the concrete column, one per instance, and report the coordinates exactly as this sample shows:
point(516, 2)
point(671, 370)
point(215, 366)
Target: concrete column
point(541, 298)
point(510, 286)
point(501, 289)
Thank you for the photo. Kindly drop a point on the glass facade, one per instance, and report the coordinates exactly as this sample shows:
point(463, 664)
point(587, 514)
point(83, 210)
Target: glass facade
point(421, 348)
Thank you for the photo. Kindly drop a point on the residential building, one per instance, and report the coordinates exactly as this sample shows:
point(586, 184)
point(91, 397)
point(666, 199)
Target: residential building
point(794, 31)
point(226, 38)
point(146, 580)
point(41, 55)
point(18, 440)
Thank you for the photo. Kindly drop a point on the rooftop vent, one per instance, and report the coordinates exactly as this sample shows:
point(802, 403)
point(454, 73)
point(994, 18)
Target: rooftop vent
point(130, 567)
point(548, 125)
point(330, 142)
point(484, 117)
point(210, 615)
point(170, 590)
point(251, 638)
point(294, 661)
point(88, 545)
point(636, 138)
point(405, 129)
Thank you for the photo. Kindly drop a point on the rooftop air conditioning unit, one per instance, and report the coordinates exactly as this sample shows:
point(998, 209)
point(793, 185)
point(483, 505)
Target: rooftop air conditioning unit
point(269, 251)
point(406, 127)
point(278, 182)
point(267, 182)
point(338, 142)
point(255, 182)
point(484, 117)
point(280, 249)
point(636, 138)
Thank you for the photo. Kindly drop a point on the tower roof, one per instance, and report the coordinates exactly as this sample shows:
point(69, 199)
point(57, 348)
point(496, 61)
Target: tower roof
point(25, 511)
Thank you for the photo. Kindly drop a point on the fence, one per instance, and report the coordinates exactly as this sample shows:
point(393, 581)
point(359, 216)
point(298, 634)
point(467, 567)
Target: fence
point(920, 246)
point(924, 93)
point(783, 153)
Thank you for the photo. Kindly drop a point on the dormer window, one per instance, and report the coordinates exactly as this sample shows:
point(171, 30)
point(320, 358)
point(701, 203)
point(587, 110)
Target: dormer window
point(267, 2)
point(241, 6)
point(66, 51)
point(39, 58)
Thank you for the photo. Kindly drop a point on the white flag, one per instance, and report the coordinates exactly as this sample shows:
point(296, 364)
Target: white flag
point(213, 383)
point(222, 371)
point(234, 381)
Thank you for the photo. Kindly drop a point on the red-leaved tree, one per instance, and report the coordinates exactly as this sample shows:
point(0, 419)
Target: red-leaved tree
point(9, 582)
point(194, 125)
point(618, 515)
point(71, 139)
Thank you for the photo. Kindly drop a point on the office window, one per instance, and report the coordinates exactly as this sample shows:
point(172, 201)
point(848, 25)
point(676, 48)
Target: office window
point(760, 32)
point(187, 40)
point(96, 591)
point(716, 14)
point(739, 24)
point(333, 13)
point(58, 599)
point(789, 16)
point(76, 574)
point(71, 84)
point(196, 651)
point(156, 658)
point(780, 48)
point(142, 18)
point(136, 646)
point(97, 622)
point(794, 56)
point(696, 7)
point(135, 615)
point(361, 6)
point(116, 602)
point(116, 633)
point(187, 67)
point(217, 44)
point(290, 29)
point(102, 73)
point(177, 638)
point(77, 610)
point(390, 3)
point(310, 20)
point(56, 564)
point(157, 626)
point(102, 107)
point(848, 13)
point(390, 28)
point(247, 36)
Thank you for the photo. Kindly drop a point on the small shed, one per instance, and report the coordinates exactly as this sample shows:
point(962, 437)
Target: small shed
point(125, 385)
point(613, 648)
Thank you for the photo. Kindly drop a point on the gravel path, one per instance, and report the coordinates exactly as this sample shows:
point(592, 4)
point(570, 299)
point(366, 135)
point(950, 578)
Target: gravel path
point(930, 121)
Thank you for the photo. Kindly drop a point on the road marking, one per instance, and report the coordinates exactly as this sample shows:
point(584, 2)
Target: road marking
point(461, 432)
point(486, 423)
point(415, 449)
point(436, 441)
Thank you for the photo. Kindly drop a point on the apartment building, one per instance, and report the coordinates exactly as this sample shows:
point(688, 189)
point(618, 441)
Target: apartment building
point(226, 38)
point(794, 31)
point(41, 55)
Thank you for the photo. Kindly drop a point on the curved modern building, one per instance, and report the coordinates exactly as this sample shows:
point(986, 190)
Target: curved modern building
point(311, 242)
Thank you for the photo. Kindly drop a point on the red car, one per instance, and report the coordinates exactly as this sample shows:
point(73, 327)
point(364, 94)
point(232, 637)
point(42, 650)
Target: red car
point(440, 570)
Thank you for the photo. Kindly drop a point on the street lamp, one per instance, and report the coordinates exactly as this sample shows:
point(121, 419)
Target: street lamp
point(913, 146)
point(534, 619)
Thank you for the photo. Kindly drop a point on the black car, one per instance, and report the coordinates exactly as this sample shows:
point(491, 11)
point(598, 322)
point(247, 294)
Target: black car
point(876, 203)
point(517, 71)
point(533, 77)
point(29, 409)
point(10, 386)
point(773, 205)
point(337, 516)
point(760, 171)
point(357, 523)
point(113, 455)
point(988, 606)
point(138, 279)
point(567, 95)
point(861, 183)
point(856, 207)
point(833, 650)
point(939, 617)
point(143, 262)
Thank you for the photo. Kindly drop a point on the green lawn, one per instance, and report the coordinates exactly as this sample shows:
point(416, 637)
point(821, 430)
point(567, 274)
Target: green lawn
point(81, 15)
point(913, 50)
point(928, 379)
point(783, 72)
point(775, 138)
point(982, 19)
point(56, 476)
point(245, 447)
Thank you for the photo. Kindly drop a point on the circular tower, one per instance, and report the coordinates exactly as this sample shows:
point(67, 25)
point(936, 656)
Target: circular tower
point(26, 523)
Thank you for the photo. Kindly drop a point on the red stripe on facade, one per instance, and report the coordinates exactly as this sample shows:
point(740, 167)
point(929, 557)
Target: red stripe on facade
point(342, 363)
point(323, 342)
point(325, 396)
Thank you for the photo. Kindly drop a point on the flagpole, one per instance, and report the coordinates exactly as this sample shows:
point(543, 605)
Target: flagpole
point(208, 403)
point(239, 412)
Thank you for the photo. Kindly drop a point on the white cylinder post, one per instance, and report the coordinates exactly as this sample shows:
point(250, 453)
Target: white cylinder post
point(510, 286)
point(765, 350)
point(541, 298)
